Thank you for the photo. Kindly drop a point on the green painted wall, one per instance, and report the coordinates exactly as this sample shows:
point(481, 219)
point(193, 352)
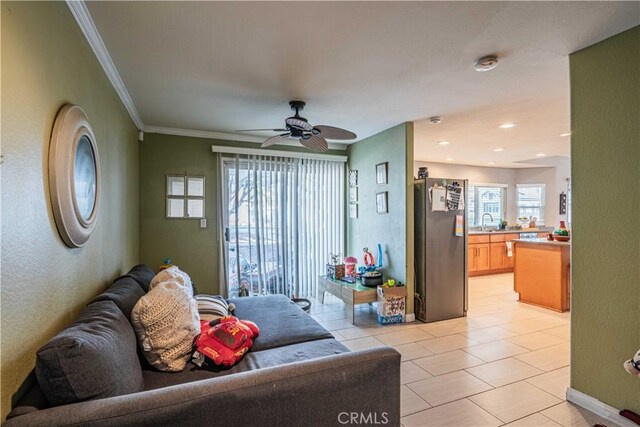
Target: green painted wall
point(605, 162)
point(395, 229)
point(193, 248)
point(46, 62)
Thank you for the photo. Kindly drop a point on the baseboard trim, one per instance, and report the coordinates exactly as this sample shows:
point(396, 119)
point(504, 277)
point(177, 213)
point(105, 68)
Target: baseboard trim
point(597, 407)
point(410, 318)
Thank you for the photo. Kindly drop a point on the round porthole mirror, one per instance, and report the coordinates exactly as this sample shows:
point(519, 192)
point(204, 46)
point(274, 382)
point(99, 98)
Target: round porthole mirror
point(74, 176)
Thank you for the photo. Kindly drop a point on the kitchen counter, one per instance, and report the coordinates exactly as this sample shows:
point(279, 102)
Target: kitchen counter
point(541, 273)
point(524, 230)
point(541, 241)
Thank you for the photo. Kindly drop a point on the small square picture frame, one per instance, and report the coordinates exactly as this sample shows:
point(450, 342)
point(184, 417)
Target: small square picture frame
point(353, 211)
point(381, 173)
point(382, 202)
point(353, 195)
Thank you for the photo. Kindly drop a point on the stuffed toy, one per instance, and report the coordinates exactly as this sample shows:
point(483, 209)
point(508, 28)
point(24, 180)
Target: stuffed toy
point(224, 340)
point(633, 365)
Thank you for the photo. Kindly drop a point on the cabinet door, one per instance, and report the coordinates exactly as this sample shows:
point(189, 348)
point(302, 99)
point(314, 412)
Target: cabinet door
point(483, 258)
point(498, 256)
point(472, 255)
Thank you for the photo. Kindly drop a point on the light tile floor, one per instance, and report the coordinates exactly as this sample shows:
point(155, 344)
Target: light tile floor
point(506, 363)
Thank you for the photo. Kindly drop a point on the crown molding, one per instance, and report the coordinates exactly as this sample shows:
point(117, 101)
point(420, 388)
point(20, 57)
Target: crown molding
point(225, 136)
point(85, 22)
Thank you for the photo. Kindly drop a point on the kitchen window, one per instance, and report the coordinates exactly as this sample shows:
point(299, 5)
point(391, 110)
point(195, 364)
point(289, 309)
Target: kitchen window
point(486, 198)
point(531, 199)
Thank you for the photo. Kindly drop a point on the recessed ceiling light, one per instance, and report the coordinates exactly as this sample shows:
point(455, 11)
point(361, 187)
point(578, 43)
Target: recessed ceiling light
point(541, 154)
point(486, 63)
point(497, 150)
point(444, 142)
point(491, 163)
point(507, 125)
point(449, 159)
point(565, 134)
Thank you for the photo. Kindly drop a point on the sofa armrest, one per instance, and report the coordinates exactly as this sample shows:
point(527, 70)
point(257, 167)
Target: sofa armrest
point(324, 391)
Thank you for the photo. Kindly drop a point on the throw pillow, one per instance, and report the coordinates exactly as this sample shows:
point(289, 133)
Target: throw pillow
point(211, 307)
point(166, 323)
point(94, 358)
point(173, 273)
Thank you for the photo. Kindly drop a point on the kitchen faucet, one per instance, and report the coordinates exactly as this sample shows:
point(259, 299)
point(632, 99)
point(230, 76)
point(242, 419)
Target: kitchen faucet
point(482, 227)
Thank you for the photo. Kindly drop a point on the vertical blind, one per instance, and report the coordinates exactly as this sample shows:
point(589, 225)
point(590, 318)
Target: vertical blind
point(285, 215)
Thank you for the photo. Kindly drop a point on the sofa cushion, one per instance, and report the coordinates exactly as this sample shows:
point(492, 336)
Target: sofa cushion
point(280, 320)
point(93, 358)
point(251, 361)
point(166, 323)
point(125, 293)
point(142, 274)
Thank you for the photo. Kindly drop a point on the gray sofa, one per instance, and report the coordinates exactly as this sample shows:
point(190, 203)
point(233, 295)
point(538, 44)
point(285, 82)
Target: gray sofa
point(295, 374)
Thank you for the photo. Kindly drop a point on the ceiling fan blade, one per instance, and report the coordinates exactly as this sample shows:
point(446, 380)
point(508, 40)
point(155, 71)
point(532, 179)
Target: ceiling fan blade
point(258, 130)
point(315, 143)
point(331, 132)
point(275, 139)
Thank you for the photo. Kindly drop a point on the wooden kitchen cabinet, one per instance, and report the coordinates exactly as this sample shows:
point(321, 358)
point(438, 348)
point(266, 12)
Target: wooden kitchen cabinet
point(487, 253)
point(483, 259)
point(542, 273)
point(498, 256)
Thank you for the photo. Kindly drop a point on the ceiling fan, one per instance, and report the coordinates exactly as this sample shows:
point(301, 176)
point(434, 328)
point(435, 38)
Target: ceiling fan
point(312, 137)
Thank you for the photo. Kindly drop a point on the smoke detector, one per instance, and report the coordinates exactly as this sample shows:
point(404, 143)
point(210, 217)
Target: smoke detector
point(435, 120)
point(486, 63)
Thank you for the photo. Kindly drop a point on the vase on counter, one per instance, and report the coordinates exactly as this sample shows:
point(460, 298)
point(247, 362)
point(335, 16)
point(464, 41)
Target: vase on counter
point(562, 232)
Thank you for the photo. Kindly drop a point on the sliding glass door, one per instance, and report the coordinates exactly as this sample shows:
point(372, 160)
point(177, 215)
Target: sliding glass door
point(282, 218)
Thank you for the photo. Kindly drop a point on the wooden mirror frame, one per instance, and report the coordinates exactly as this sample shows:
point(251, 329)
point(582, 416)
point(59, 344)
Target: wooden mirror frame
point(70, 126)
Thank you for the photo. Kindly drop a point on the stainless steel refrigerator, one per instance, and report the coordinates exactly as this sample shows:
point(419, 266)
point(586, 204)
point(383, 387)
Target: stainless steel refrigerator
point(440, 255)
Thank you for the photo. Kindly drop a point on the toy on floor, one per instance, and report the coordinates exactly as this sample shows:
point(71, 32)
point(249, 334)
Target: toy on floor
point(632, 366)
point(224, 340)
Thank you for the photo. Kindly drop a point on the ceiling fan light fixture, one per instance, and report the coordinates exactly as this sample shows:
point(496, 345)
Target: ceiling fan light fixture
point(299, 123)
point(486, 63)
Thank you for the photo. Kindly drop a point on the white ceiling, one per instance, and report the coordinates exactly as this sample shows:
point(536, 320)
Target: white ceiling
point(364, 66)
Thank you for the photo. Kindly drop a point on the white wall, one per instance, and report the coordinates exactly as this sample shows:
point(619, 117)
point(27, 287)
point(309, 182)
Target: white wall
point(554, 178)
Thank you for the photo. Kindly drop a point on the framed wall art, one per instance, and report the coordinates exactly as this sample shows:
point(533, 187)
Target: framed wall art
point(353, 194)
point(382, 200)
point(353, 178)
point(381, 173)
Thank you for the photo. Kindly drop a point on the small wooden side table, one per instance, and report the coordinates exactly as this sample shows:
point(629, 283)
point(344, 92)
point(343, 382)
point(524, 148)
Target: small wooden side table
point(350, 293)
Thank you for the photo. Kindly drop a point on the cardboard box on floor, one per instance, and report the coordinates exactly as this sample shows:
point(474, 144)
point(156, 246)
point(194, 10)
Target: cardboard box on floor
point(391, 304)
